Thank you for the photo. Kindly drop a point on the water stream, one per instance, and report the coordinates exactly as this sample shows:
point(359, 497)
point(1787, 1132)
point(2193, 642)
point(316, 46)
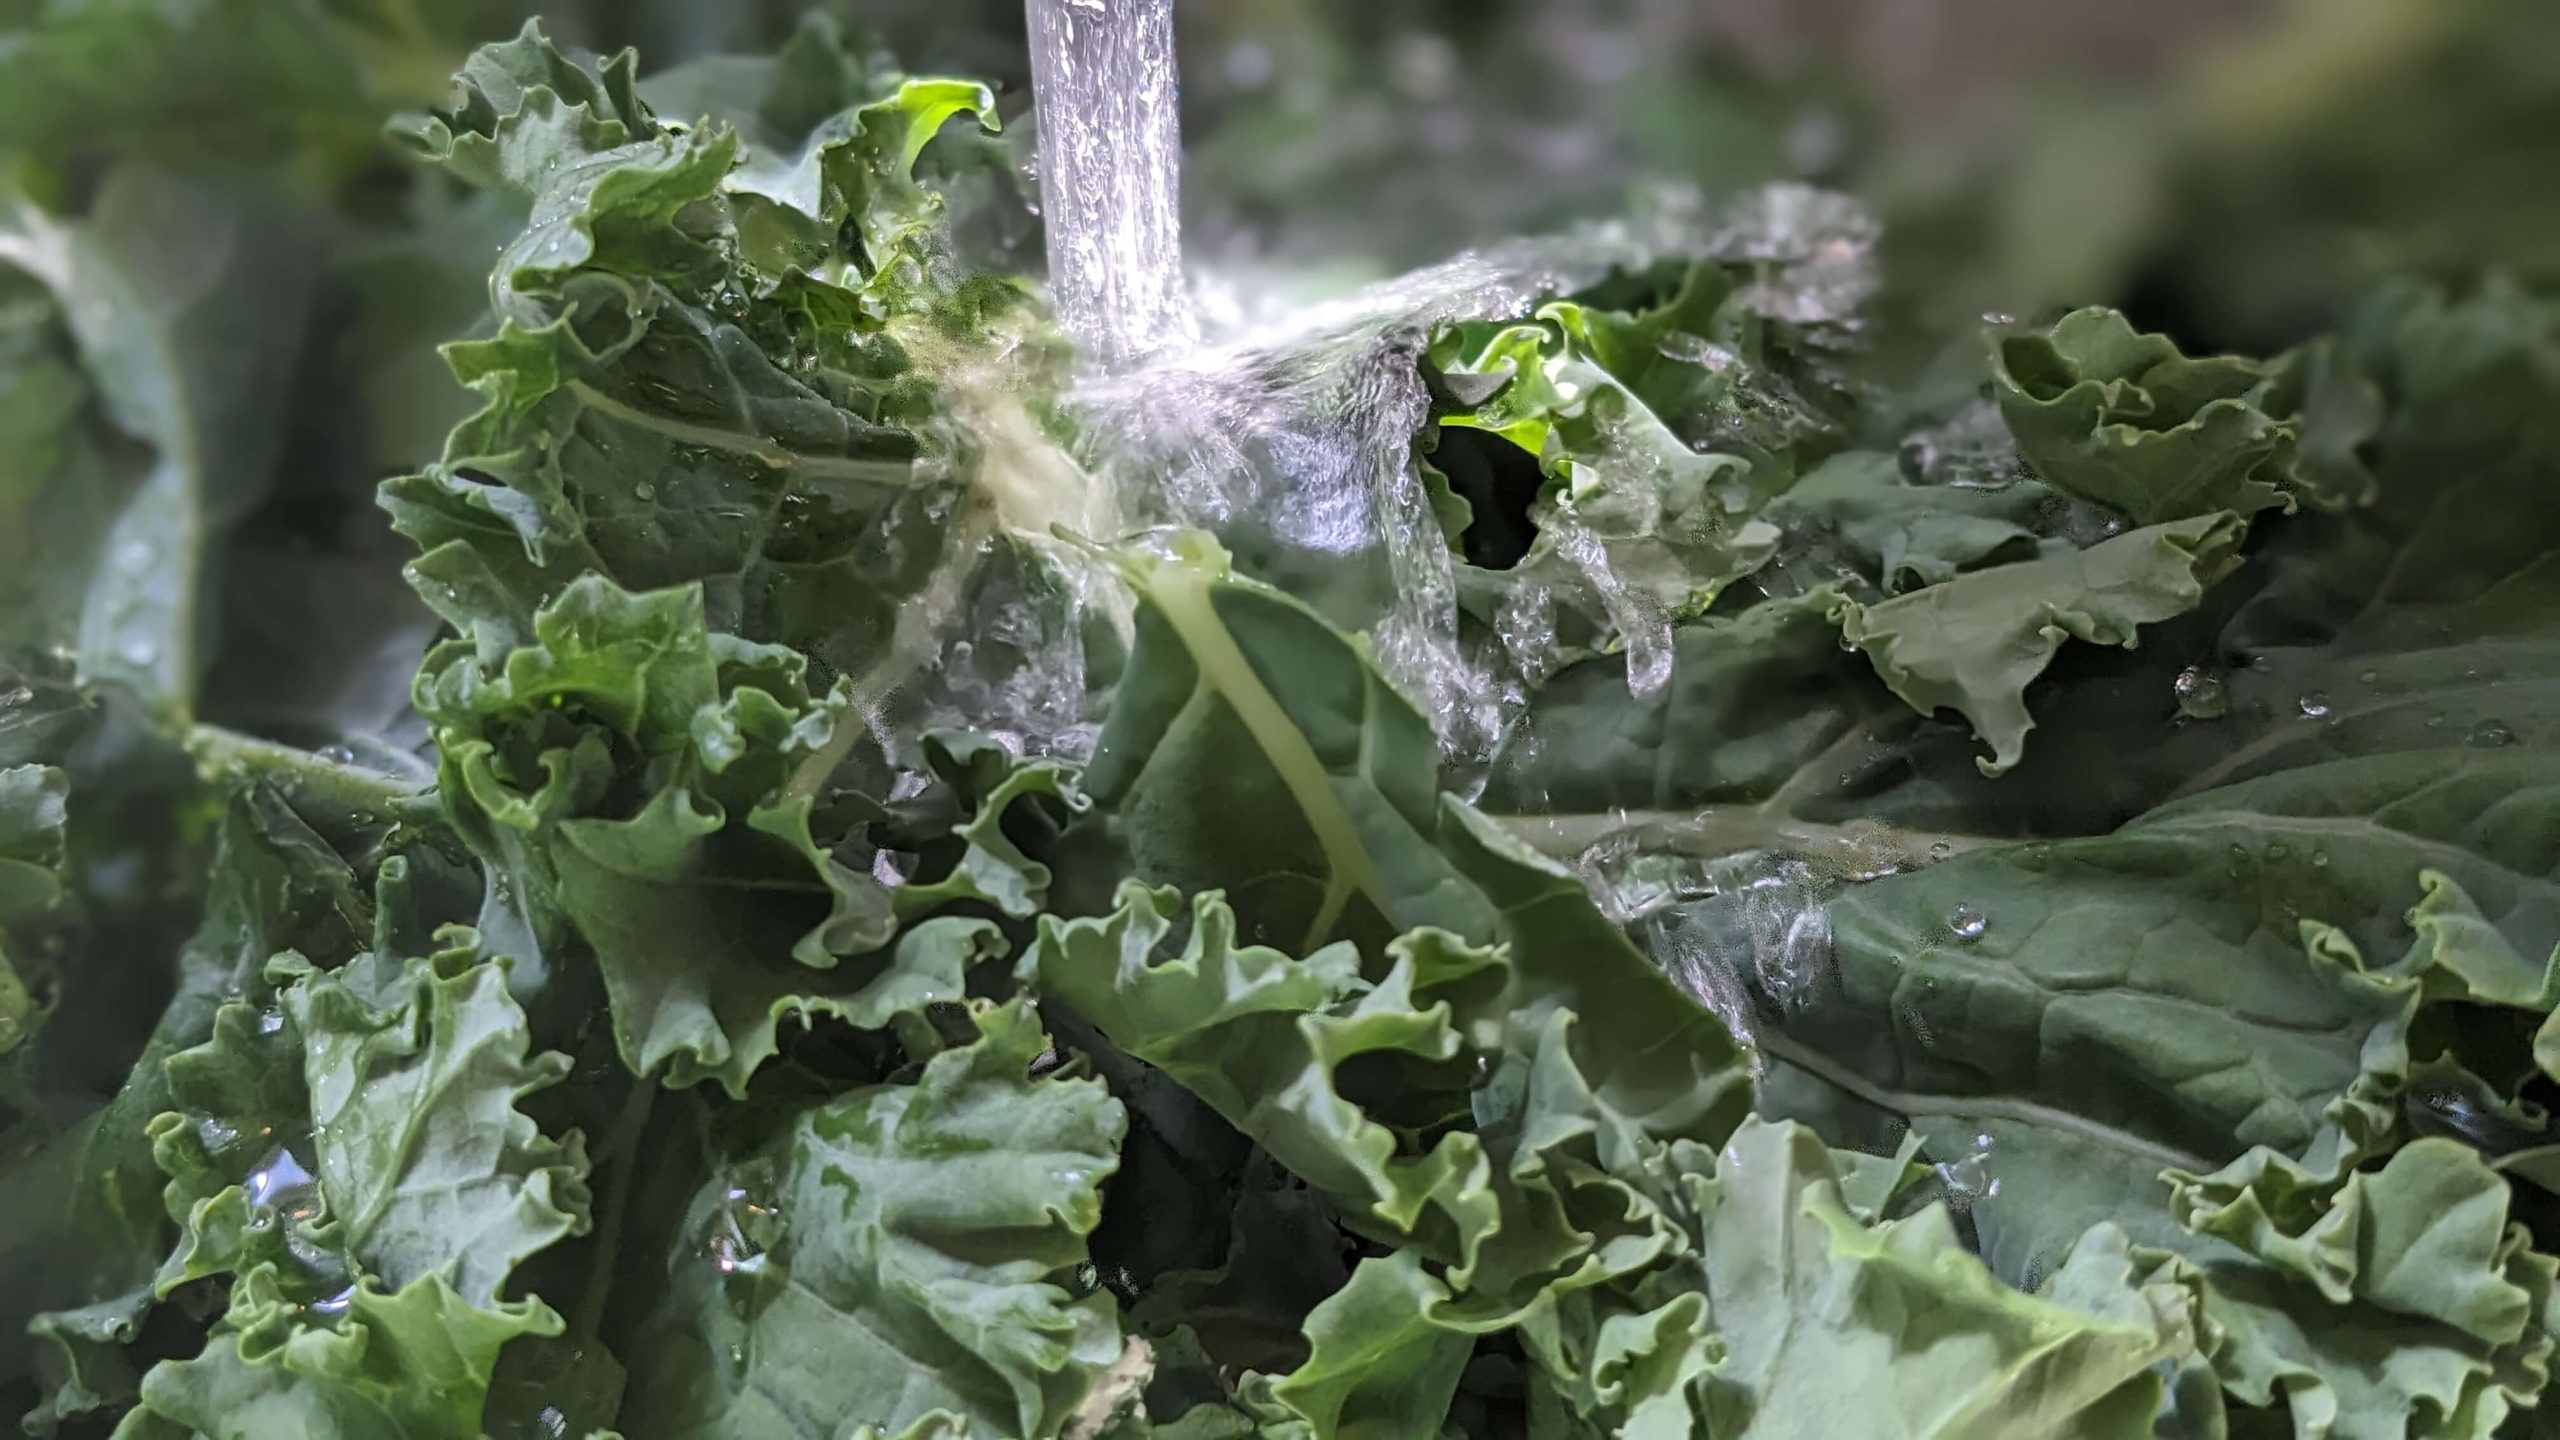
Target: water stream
point(1111, 173)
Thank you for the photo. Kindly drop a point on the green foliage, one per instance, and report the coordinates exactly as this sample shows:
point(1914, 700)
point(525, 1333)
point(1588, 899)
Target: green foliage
point(2024, 904)
point(908, 1265)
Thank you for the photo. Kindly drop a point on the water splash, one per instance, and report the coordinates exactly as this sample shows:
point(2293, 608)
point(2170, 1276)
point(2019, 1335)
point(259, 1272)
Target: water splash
point(1971, 450)
point(1111, 172)
point(1815, 250)
point(1013, 664)
point(1292, 436)
point(1293, 439)
point(1808, 259)
point(1745, 933)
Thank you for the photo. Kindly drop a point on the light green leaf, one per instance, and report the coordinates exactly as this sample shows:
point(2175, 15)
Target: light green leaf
point(1238, 702)
point(1830, 1326)
point(1259, 1035)
point(2122, 419)
point(1377, 1366)
point(904, 1260)
point(409, 1365)
point(426, 1163)
point(1974, 643)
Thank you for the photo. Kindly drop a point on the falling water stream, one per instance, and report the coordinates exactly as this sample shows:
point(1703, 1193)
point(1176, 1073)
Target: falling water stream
point(1107, 85)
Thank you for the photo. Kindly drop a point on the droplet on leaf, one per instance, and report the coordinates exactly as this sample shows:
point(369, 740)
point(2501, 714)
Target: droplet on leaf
point(2201, 695)
point(2490, 735)
point(1967, 923)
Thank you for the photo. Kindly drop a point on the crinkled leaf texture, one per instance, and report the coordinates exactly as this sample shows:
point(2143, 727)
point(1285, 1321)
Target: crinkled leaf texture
point(1974, 642)
point(410, 1365)
point(2183, 1075)
point(1658, 435)
point(34, 901)
point(1581, 1206)
point(897, 1261)
point(2122, 419)
point(369, 1200)
point(426, 1165)
point(1831, 1326)
point(676, 394)
point(2250, 957)
point(717, 897)
point(2275, 1025)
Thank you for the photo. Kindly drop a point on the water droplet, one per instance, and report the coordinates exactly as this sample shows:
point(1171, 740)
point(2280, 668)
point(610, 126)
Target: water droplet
point(1968, 1180)
point(2261, 663)
point(742, 1228)
point(278, 1180)
point(2489, 735)
point(15, 696)
point(2370, 676)
point(1683, 348)
point(2278, 851)
point(644, 491)
point(1941, 849)
point(1967, 923)
point(2201, 695)
point(337, 754)
point(2319, 859)
point(2315, 705)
